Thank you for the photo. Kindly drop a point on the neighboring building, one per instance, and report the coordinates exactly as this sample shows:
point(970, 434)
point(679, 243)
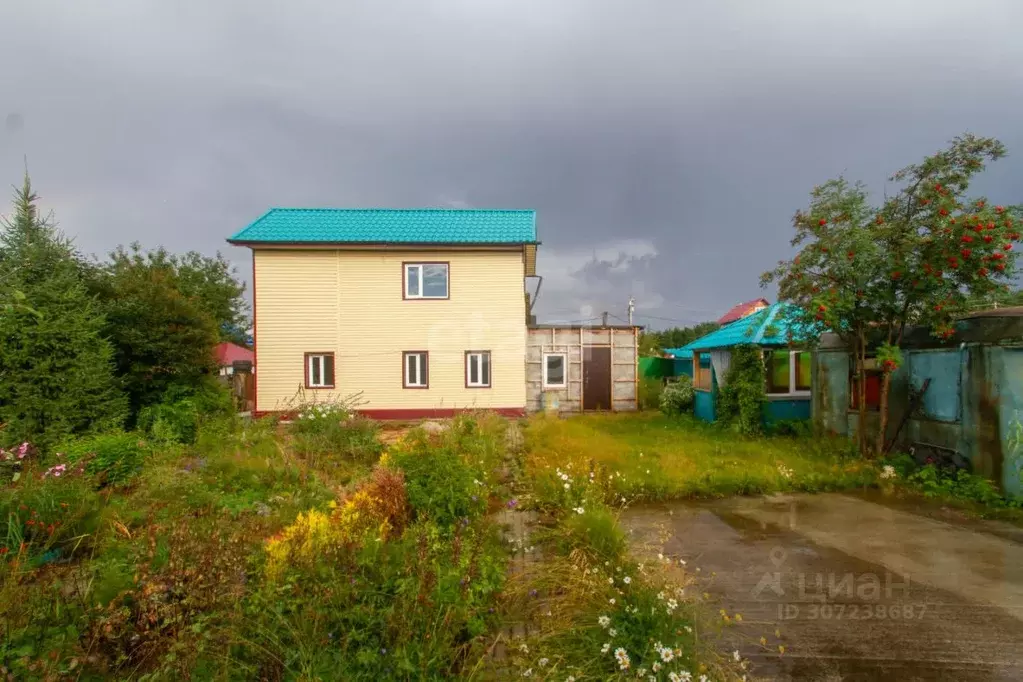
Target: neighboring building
point(229, 353)
point(788, 369)
point(743, 310)
point(972, 405)
point(421, 312)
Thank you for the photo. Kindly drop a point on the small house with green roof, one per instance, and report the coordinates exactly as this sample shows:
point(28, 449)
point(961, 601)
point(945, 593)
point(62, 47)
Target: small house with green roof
point(788, 367)
point(420, 313)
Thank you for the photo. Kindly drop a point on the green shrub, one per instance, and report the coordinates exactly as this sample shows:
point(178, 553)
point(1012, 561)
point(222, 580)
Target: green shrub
point(742, 398)
point(962, 485)
point(595, 531)
point(677, 397)
point(332, 429)
point(442, 485)
point(184, 409)
point(650, 389)
point(112, 457)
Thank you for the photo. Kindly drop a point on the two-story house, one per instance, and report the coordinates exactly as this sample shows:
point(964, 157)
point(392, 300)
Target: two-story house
point(421, 311)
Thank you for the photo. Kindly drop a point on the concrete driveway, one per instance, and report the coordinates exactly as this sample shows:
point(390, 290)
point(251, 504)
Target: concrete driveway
point(857, 588)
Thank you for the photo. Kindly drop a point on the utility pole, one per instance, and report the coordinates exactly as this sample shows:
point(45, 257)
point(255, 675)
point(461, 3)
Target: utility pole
point(604, 315)
point(632, 307)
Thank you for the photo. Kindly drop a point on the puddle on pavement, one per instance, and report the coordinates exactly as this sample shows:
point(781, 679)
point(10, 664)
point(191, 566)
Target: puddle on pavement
point(840, 617)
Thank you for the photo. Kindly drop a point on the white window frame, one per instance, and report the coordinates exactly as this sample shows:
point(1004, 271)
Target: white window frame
point(564, 365)
point(419, 267)
point(477, 355)
point(793, 372)
point(422, 377)
point(313, 359)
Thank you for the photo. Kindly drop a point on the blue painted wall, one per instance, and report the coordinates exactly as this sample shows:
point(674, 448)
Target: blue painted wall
point(703, 405)
point(973, 404)
point(786, 410)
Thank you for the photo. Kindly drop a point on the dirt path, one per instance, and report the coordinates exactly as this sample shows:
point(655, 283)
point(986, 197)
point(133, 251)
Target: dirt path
point(858, 590)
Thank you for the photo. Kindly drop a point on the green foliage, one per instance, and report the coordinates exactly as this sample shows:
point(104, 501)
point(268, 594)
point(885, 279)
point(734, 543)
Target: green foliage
point(962, 485)
point(56, 377)
point(652, 343)
point(596, 530)
point(650, 389)
point(442, 485)
point(677, 397)
point(113, 457)
point(162, 336)
point(184, 409)
point(742, 398)
point(213, 283)
point(332, 437)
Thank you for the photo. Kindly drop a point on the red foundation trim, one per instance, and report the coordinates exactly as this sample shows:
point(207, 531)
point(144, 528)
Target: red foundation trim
point(413, 413)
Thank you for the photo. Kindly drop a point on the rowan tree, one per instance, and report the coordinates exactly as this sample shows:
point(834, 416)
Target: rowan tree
point(919, 258)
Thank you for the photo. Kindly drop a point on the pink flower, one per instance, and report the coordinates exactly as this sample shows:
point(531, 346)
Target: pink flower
point(55, 471)
point(22, 450)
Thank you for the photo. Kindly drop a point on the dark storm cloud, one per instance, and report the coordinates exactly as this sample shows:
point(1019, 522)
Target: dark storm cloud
point(665, 145)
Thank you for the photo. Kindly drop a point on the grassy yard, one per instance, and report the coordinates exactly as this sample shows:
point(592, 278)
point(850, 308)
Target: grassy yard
point(650, 456)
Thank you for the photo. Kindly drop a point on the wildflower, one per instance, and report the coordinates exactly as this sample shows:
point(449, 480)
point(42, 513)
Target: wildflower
point(736, 656)
point(688, 629)
point(579, 510)
point(567, 486)
point(611, 601)
point(570, 678)
point(703, 678)
point(672, 605)
point(523, 648)
point(528, 672)
point(626, 580)
point(512, 503)
point(888, 471)
point(656, 667)
point(55, 471)
point(667, 655)
point(542, 662)
point(22, 450)
point(622, 657)
point(607, 647)
point(612, 632)
point(604, 621)
point(763, 641)
point(610, 580)
point(641, 672)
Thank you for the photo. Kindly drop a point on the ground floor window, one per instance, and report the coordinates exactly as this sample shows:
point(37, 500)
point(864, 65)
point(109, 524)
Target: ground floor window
point(788, 371)
point(477, 369)
point(319, 370)
point(416, 369)
point(555, 370)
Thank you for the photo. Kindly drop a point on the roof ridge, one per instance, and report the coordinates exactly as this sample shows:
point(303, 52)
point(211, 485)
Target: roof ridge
point(395, 210)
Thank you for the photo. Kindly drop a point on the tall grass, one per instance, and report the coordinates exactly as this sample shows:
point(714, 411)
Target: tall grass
point(651, 456)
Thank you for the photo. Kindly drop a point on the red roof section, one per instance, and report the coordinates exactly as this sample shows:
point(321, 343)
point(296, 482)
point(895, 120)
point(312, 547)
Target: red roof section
point(228, 353)
point(742, 310)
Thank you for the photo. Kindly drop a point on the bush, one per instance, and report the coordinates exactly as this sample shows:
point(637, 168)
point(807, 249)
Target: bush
point(334, 429)
point(113, 457)
point(441, 485)
point(677, 397)
point(650, 389)
point(184, 409)
point(743, 396)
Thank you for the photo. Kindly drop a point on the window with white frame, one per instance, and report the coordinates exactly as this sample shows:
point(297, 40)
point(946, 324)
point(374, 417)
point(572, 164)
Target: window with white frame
point(416, 370)
point(477, 369)
point(555, 370)
point(788, 372)
point(319, 370)
point(426, 280)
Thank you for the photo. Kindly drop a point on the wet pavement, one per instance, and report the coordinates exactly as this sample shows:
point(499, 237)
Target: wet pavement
point(858, 589)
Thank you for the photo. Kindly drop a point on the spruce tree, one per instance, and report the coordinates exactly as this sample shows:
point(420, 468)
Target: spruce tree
point(56, 368)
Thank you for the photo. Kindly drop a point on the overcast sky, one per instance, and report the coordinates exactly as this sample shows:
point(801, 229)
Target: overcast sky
point(664, 145)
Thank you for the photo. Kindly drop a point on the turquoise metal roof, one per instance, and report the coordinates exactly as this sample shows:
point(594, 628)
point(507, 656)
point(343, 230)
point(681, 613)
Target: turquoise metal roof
point(767, 327)
point(679, 352)
point(390, 226)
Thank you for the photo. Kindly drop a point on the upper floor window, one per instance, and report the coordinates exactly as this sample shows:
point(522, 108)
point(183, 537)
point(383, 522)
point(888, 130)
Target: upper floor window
point(319, 370)
point(426, 280)
point(477, 369)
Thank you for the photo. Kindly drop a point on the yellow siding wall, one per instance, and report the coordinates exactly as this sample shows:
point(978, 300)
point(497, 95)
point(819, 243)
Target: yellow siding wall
point(350, 302)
